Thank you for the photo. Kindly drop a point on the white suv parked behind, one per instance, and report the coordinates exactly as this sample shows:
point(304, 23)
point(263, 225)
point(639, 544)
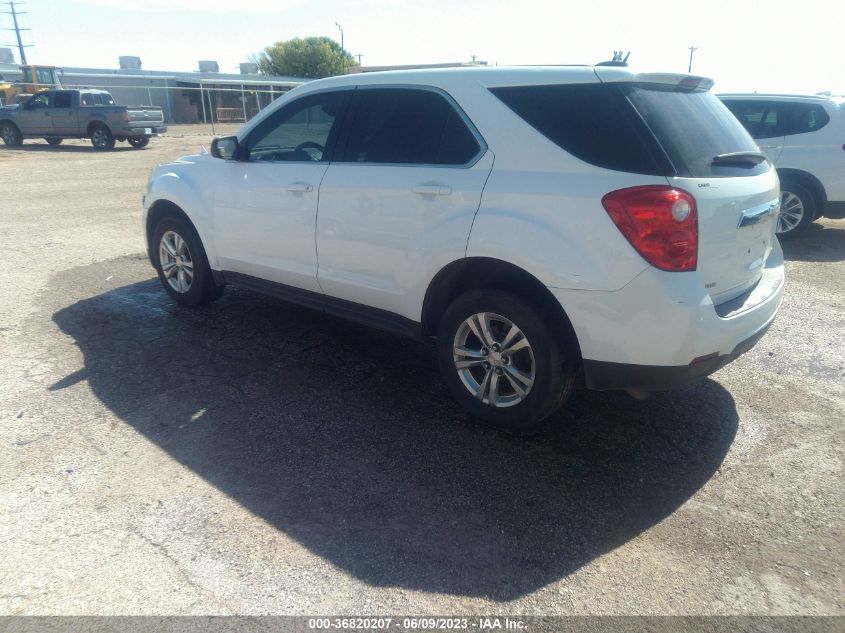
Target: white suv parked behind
point(547, 225)
point(805, 138)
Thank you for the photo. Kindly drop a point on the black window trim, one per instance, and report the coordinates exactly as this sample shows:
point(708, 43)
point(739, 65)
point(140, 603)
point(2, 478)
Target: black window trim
point(337, 127)
point(482, 144)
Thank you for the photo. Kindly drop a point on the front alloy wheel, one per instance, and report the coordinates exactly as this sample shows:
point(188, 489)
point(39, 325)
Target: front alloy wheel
point(177, 265)
point(11, 135)
point(494, 359)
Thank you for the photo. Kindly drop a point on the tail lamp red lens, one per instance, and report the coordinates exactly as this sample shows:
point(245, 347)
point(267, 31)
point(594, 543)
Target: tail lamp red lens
point(125, 116)
point(660, 222)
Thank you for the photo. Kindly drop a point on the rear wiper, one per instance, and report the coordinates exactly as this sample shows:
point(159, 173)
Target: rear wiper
point(739, 158)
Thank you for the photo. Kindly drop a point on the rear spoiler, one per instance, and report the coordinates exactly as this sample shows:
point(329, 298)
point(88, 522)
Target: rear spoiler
point(610, 74)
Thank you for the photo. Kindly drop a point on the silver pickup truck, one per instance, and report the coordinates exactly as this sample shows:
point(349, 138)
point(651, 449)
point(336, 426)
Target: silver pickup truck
point(55, 115)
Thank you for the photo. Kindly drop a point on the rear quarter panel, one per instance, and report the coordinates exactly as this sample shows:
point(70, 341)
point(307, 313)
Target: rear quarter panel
point(541, 208)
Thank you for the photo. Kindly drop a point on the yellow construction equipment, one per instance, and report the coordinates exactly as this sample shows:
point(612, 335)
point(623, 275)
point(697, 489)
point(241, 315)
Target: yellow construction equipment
point(34, 80)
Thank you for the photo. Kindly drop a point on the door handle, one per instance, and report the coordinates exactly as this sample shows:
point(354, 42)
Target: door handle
point(299, 187)
point(433, 190)
point(769, 146)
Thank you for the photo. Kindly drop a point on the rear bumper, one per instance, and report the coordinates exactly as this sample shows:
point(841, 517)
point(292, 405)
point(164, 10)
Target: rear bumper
point(603, 375)
point(662, 330)
point(140, 130)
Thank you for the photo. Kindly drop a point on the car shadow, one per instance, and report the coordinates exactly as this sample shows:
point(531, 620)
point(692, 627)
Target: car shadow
point(818, 243)
point(45, 147)
point(346, 440)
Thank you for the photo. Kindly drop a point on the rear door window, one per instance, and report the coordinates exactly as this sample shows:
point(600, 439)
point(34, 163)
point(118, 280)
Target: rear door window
point(760, 118)
point(407, 126)
point(62, 100)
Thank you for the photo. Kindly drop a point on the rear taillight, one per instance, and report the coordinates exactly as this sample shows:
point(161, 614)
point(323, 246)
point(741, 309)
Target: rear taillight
point(125, 116)
point(660, 222)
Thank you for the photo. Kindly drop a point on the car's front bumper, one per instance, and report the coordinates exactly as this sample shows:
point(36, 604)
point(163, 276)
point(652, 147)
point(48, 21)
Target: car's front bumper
point(662, 329)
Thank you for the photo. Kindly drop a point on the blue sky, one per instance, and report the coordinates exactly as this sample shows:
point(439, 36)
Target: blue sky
point(742, 45)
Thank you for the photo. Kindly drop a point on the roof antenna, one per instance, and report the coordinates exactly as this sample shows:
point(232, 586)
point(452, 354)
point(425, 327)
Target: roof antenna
point(617, 59)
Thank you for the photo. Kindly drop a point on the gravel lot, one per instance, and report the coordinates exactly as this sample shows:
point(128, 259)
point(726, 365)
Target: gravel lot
point(251, 457)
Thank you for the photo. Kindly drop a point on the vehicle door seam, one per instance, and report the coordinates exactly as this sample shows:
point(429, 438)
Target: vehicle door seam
point(480, 200)
point(316, 225)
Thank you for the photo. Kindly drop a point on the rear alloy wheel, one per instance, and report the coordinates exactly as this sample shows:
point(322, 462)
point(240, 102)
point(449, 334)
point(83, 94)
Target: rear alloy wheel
point(11, 135)
point(139, 141)
point(797, 210)
point(101, 138)
point(52, 140)
point(501, 362)
point(494, 359)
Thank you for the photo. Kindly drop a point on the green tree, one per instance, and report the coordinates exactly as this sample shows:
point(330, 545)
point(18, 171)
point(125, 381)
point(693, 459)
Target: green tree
point(311, 57)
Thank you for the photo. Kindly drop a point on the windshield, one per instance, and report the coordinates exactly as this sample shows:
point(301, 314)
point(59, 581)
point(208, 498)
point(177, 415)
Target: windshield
point(46, 76)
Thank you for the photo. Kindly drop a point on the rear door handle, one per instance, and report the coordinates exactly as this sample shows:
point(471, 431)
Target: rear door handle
point(433, 190)
point(299, 187)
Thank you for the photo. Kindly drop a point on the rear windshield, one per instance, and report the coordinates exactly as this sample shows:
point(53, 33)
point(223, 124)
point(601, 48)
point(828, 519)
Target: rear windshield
point(638, 128)
point(96, 98)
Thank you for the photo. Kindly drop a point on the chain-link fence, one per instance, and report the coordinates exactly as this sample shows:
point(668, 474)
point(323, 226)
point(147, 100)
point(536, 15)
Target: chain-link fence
point(203, 105)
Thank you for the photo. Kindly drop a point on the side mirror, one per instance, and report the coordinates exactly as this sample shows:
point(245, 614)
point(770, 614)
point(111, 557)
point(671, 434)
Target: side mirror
point(225, 147)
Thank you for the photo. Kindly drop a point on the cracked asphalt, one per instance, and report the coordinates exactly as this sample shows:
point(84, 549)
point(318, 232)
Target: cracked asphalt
point(255, 458)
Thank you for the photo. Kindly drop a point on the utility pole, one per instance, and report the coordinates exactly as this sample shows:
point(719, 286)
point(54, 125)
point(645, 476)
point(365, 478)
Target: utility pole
point(359, 56)
point(692, 50)
point(342, 50)
point(17, 29)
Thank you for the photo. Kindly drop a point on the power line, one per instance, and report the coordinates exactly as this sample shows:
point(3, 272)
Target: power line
point(14, 13)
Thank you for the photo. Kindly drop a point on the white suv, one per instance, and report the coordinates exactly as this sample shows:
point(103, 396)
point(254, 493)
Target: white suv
point(547, 225)
point(805, 138)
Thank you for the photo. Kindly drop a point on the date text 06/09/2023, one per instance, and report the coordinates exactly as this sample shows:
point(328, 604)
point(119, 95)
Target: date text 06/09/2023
point(417, 623)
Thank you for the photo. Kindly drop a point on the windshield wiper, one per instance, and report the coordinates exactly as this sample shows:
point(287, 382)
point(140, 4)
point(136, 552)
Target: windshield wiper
point(739, 158)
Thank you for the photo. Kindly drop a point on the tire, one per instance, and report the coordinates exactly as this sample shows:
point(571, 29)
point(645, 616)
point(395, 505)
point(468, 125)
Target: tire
point(102, 138)
point(10, 134)
point(554, 376)
point(139, 142)
point(797, 209)
point(52, 140)
point(188, 279)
